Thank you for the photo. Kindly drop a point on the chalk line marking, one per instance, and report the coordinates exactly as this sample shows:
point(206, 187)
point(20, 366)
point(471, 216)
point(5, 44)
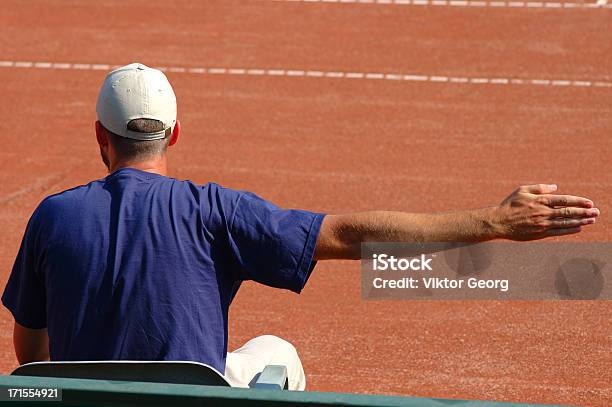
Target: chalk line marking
point(46, 183)
point(463, 3)
point(304, 73)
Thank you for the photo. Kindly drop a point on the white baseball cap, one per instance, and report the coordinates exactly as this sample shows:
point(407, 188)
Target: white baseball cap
point(136, 91)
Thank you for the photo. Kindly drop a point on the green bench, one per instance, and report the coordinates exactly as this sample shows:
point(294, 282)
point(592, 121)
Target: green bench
point(87, 392)
point(273, 377)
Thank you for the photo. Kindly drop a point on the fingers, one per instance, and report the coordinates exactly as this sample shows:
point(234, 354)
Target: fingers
point(573, 212)
point(566, 200)
point(570, 223)
point(539, 188)
point(569, 217)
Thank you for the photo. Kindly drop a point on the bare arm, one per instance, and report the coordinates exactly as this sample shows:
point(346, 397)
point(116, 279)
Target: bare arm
point(31, 345)
point(529, 213)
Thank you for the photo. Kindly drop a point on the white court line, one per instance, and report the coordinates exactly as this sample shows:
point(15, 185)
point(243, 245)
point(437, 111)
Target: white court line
point(600, 4)
point(304, 73)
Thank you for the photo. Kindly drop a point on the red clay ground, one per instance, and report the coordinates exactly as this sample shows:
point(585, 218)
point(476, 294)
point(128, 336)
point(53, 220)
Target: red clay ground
point(338, 145)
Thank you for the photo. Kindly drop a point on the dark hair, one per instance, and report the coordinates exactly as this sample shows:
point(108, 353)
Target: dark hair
point(128, 148)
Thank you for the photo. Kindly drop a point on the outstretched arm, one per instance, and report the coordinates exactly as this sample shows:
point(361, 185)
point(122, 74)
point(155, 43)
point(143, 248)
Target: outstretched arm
point(529, 213)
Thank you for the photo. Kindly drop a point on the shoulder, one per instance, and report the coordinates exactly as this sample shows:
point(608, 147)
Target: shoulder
point(71, 194)
point(219, 204)
point(220, 195)
point(64, 202)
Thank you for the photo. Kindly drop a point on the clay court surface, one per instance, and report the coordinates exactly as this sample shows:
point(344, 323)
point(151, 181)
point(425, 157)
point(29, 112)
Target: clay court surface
point(448, 107)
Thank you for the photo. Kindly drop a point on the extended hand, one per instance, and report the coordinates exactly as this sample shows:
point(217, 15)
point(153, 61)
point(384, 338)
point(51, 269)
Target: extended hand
point(531, 212)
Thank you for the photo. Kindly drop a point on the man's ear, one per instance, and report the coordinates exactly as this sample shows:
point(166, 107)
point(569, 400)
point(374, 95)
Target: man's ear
point(101, 135)
point(175, 133)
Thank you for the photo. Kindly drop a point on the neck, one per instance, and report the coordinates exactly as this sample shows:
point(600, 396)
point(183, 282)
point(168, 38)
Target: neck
point(157, 166)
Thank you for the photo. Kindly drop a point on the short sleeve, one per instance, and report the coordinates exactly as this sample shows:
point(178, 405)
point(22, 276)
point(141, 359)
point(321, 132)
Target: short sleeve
point(273, 246)
point(24, 294)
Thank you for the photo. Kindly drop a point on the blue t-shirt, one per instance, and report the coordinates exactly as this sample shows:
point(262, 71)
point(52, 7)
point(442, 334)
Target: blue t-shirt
point(138, 266)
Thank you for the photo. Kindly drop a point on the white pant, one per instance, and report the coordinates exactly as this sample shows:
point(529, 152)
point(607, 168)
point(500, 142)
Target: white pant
point(243, 366)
